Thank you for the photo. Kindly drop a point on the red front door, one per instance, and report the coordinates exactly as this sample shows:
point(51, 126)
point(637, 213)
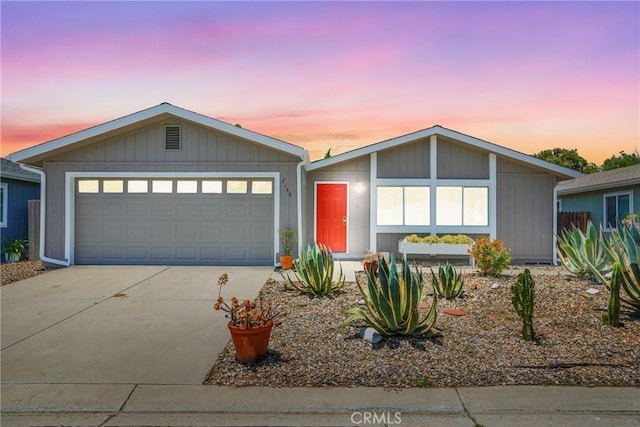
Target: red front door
point(331, 216)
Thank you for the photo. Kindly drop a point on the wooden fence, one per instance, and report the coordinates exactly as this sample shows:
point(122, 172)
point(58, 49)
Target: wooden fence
point(579, 219)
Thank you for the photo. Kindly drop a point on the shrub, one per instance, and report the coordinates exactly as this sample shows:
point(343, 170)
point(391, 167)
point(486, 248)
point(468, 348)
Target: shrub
point(392, 301)
point(490, 257)
point(447, 238)
point(314, 271)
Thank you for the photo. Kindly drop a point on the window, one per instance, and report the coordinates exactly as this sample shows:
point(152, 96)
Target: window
point(88, 186)
point(4, 196)
point(236, 187)
point(172, 138)
point(212, 187)
point(462, 206)
point(616, 207)
point(187, 187)
point(261, 187)
point(112, 186)
point(403, 205)
point(136, 186)
point(162, 186)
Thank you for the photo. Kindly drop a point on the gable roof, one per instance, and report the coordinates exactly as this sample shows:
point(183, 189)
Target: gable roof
point(12, 170)
point(439, 130)
point(37, 152)
point(620, 177)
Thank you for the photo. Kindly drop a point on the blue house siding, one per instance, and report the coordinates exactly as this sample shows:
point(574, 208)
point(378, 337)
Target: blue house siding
point(19, 193)
point(593, 202)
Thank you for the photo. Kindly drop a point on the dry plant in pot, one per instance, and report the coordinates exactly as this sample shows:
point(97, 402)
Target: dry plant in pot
point(370, 262)
point(250, 323)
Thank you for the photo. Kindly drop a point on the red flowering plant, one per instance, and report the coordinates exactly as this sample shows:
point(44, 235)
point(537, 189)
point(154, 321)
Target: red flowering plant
point(248, 313)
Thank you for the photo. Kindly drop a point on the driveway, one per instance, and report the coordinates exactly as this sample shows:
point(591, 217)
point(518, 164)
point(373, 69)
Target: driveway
point(118, 324)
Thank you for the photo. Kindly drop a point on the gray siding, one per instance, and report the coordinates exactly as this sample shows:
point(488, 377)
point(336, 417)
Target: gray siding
point(525, 211)
point(408, 161)
point(353, 171)
point(142, 150)
point(457, 161)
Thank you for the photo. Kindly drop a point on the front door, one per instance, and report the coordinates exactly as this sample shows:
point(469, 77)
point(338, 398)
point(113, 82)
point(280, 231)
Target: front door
point(331, 215)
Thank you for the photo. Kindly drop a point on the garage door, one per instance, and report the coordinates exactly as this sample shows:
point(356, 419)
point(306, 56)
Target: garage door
point(174, 221)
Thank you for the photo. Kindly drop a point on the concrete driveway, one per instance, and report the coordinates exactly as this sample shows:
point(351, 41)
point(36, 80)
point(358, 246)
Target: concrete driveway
point(118, 324)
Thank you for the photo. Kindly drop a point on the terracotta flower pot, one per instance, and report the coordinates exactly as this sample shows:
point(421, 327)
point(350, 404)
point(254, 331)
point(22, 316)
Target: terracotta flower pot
point(251, 344)
point(286, 262)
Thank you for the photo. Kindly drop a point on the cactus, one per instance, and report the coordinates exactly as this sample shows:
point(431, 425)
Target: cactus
point(314, 271)
point(447, 283)
point(612, 316)
point(523, 301)
point(392, 301)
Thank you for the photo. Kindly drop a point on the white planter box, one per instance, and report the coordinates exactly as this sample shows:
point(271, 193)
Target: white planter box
point(434, 249)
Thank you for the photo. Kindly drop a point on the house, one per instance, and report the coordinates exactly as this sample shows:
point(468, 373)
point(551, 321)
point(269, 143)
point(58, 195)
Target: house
point(169, 186)
point(607, 196)
point(17, 187)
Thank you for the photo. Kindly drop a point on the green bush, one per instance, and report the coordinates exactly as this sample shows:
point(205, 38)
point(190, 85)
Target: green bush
point(447, 238)
point(314, 271)
point(491, 257)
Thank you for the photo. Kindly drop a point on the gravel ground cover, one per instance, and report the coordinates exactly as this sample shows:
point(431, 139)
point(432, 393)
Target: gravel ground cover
point(482, 348)
point(15, 271)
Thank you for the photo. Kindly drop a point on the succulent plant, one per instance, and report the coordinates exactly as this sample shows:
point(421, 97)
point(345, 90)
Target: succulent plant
point(523, 301)
point(583, 253)
point(447, 283)
point(392, 301)
point(612, 316)
point(624, 248)
point(314, 271)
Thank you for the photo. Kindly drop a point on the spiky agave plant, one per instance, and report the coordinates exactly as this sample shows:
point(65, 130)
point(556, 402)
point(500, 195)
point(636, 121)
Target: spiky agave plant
point(447, 283)
point(612, 316)
point(624, 248)
point(314, 271)
point(583, 253)
point(392, 301)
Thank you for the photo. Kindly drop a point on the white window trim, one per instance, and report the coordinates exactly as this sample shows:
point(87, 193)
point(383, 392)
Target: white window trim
point(604, 206)
point(5, 204)
point(70, 202)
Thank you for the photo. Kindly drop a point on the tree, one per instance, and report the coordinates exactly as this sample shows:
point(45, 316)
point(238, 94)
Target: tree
point(621, 161)
point(567, 158)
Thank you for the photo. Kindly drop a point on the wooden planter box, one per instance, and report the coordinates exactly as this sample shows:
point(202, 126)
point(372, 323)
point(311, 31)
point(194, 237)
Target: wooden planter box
point(434, 249)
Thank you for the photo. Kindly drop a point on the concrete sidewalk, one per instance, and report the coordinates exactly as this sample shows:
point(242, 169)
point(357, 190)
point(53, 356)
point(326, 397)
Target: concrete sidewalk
point(130, 346)
point(191, 405)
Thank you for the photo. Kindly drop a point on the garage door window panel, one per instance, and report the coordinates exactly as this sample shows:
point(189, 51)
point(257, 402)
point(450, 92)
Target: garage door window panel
point(112, 186)
point(162, 187)
point(187, 187)
point(261, 187)
point(236, 187)
point(88, 186)
point(137, 186)
point(212, 187)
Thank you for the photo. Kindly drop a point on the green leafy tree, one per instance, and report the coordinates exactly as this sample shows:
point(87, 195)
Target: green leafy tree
point(621, 161)
point(567, 158)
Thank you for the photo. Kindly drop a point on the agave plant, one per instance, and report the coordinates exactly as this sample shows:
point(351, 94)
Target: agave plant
point(392, 301)
point(624, 248)
point(583, 253)
point(314, 271)
point(447, 283)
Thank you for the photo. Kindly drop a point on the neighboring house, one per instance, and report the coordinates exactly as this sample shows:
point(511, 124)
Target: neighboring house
point(607, 196)
point(17, 187)
point(169, 186)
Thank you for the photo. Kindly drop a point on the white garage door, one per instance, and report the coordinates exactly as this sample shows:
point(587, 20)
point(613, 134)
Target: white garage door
point(174, 221)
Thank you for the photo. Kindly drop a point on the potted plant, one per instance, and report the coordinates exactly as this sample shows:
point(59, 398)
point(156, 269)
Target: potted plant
point(288, 239)
point(250, 323)
point(13, 249)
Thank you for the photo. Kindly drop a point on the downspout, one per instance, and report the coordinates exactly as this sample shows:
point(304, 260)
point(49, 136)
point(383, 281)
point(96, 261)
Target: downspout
point(305, 160)
point(43, 200)
point(554, 261)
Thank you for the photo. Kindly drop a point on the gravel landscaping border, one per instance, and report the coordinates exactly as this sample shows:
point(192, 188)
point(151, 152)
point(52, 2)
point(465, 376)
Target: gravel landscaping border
point(482, 348)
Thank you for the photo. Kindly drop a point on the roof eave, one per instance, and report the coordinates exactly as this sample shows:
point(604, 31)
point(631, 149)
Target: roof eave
point(597, 187)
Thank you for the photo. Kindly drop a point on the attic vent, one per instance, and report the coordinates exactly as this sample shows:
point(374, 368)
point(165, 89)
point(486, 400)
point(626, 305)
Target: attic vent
point(172, 140)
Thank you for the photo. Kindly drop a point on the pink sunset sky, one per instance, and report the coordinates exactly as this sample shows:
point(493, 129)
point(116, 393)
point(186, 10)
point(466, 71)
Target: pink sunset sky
point(525, 75)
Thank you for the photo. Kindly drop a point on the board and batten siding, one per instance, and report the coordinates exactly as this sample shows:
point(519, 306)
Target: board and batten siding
point(525, 211)
point(408, 161)
point(456, 161)
point(353, 172)
point(142, 150)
